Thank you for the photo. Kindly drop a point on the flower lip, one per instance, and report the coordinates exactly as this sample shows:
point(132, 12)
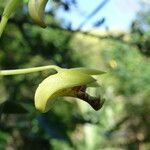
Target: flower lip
point(95, 102)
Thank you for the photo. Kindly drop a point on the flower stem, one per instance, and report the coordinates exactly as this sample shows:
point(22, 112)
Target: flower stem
point(28, 70)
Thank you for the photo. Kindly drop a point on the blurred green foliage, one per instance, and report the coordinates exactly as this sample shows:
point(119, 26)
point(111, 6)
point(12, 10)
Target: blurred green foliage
point(123, 122)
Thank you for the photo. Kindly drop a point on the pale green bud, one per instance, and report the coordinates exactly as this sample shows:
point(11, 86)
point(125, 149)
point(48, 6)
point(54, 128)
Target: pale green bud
point(36, 11)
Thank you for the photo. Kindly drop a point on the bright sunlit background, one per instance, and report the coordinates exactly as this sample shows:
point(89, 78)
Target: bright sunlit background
point(118, 14)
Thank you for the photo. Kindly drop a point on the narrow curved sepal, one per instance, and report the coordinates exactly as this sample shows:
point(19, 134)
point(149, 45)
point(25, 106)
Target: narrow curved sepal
point(59, 85)
point(88, 71)
point(36, 11)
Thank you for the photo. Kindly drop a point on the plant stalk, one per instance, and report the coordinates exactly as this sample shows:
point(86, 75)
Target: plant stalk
point(28, 70)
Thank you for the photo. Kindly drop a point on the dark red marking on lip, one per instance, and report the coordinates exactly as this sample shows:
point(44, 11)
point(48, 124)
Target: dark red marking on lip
point(95, 102)
point(79, 88)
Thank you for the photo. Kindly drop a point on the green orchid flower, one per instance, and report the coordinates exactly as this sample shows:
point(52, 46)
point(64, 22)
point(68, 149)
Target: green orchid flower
point(65, 82)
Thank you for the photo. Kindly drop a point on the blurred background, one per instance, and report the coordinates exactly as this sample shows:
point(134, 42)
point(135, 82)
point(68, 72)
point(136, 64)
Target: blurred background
point(110, 35)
